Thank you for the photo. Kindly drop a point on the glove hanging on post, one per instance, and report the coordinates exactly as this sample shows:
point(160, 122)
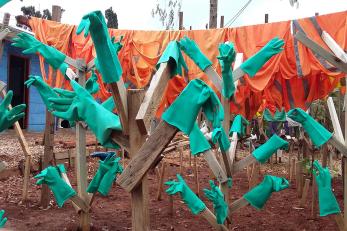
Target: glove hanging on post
point(188, 196)
point(219, 204)
point(327, 201)
point(279, 116)
point(3, 220)
point(9, 117)
point(252, 65)
point(260, 194)
point(61, 190)
point(92, 85)
point(239, 125)
point(226, 57)
point(83, 107)
point(218, 135)
point(31, 45)
point(317, 132)
point(263, 152)
point(108, 63)
point(195, 95)
point(43, 88)
point(192, 49)
point(197, 141)
point(172, 54)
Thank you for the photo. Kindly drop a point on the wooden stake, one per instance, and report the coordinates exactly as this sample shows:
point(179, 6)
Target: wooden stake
point(196, 176)
point(211, 218)
point(305, 193)
point(180, 149)
point(161, 180)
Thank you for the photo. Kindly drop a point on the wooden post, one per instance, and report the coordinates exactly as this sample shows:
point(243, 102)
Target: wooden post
point(140, 194)
point(196, 176)
point(221, 21)
point(161, 180)
point(266, 18)
point(213, 13)
point(305, 193)
point(81, 160)
point(56, 13)
point(180, 20)
point(345, 169)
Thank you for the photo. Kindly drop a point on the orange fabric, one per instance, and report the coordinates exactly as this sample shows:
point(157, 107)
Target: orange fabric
point(275, 85)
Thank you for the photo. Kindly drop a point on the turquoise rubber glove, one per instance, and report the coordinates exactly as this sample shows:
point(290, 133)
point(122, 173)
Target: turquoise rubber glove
point(188, 196)
point(61, 190)
point(9, 117)
point(108, 63)
point(197, 141)
point(219, 204)
point(327, 201)
point(183, 111)
point(92, 86)
point(117, 46)
point(252, 65)
point(43, 88)
point(259, 195)
point(84, 108)
point(226, 57)
point(172, 54)
point(218, 135)
point(263, 152)
point(239, 125)
point(191, 49)
point(110, 177)
point(2, 3)
point(317, 132)
point(279, 116)
point(2, 220)
point(109, 104)
point(105, 175)
point(31, 45)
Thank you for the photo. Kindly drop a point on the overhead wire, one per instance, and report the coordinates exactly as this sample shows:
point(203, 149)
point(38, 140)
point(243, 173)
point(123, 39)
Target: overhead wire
point(233, 19)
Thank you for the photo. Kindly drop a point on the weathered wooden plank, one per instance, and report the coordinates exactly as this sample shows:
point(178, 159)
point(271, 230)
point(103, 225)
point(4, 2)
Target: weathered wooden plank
point(217, 170)
point(4, 33)
point(240, 165)
point(120, 98)
point(140, 194)
point(121, 139)
point(238, 204)
point(147, 156)
point(90, 65)
point(75, 63)
point(334, 47)
point(335, 119)
point(211, 218)
point(153, 98)
point(335, 141)
point(321, 51)
point(214, 77)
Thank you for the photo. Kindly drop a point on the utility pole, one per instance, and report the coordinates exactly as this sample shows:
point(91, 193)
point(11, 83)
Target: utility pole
point(213, 14)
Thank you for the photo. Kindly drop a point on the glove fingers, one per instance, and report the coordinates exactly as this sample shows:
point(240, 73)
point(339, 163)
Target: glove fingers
point(67, 115)
point(61, 101)
point(2, 223)
point(65, 93)
point(17, 109)
point(15, 118)
point(2, 212)
point(7, 100)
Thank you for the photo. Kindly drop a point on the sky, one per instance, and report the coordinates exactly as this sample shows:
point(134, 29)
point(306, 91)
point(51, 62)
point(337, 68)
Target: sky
point(136, 14)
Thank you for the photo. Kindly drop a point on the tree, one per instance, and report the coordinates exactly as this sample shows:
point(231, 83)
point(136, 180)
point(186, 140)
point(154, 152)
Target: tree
point(167, 12)
point(112, 20)
point(30, 11)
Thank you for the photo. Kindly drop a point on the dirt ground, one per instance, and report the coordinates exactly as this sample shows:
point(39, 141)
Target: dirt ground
point(282, 211)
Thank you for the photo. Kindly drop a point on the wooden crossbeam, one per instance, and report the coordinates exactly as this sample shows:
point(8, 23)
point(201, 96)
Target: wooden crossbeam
point(334, 47)
point(331, 58)
point(240, 165)
point(120, 139)
point(211, 218)
point(238, 204)
point(120, 98)
point(217, 170)
point(75, 63)
point(147, 156)
point(153, 98)
point(4, 33)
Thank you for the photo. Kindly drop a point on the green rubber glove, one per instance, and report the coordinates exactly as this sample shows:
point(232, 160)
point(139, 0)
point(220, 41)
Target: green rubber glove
point(9, 117)
point(327, 201)
point(197, 141)
point(31, 45)
point(191, 49)
point(188, 196)
point(110, 176)
point(317, 132)
point(2, 3)
point(109, 104)
point(92, 86)
point(117, 46)
point(279, 116)
point(43, 88)
point(84, 108)
point(105, 175)
point(239, 125)
point(252, 65)
point(183, 111)
point(226, 57)
point(61, 190)
point(219, 204)
point(3, 220)
point(219, 135)
point(263, 152)
point(172, 53)
point(259, 195)
point(108, 63)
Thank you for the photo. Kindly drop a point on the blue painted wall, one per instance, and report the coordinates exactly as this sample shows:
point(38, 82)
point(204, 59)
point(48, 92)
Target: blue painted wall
point(36, 108)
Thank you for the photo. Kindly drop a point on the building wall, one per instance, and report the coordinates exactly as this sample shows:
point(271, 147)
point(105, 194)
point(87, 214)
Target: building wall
point(36, 108)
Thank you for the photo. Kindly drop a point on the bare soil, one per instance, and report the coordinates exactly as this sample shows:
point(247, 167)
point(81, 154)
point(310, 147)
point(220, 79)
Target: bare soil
point(113, 212)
